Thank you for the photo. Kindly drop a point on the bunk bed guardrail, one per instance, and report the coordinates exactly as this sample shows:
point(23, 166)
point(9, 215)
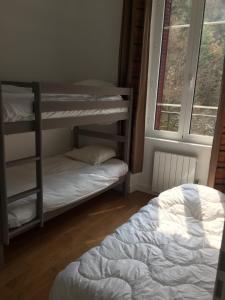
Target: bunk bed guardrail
point(71, 105)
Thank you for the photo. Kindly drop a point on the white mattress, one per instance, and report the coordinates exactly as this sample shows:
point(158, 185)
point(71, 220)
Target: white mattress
point(17, 105)
point(168, 250)
point(65, 181)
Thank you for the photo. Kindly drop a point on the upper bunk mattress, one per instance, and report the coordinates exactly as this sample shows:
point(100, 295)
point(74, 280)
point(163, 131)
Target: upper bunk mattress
point(18, 106)
point(168, 250)
point(64, 180)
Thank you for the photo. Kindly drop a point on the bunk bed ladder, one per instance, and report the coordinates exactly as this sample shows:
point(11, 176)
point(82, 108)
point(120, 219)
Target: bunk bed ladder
point(127, 145)
point(38, 150)
point(4, 232)
point(7, 234)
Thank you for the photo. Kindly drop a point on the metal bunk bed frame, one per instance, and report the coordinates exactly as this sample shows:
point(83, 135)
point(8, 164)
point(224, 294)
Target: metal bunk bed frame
point(123, 138)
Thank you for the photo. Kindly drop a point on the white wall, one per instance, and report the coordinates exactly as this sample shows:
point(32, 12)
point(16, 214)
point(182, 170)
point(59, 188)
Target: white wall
point(143, 180)
point(57, 41)
point(22, 145)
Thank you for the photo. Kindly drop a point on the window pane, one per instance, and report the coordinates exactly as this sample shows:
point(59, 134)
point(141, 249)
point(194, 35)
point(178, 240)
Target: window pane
point(172, 65)
point(214, 10)
point(180, 12)
point(210, 68)
point(169, 116)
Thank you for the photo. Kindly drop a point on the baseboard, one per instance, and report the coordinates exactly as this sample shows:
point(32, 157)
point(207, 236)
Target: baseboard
point(141, 188)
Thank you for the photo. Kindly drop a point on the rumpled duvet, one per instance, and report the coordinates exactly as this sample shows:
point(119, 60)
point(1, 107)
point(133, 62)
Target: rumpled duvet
point(168, 250)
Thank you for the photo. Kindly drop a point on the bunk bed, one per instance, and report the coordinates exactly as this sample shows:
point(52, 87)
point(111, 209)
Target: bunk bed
point(58, 182)
point(168, 250)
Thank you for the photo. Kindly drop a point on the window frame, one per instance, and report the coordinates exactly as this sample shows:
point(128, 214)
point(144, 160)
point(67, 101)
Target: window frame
point(193, 51)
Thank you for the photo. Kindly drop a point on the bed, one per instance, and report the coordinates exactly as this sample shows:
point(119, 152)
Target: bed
point(38, 106)
point(65, 181)
point(17, 104)
point(168, 250)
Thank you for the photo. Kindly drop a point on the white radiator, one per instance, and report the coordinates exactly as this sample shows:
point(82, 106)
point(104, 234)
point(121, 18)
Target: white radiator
point(171, 170)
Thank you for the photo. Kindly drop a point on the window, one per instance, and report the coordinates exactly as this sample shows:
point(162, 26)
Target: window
point(187, 63)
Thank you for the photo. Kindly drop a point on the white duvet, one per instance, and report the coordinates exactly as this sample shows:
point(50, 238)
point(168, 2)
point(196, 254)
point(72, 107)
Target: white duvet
point(18, 105)
point(167, 251)
point(65, 181)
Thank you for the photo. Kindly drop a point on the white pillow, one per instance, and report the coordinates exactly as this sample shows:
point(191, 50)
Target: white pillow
point(99, 83)
point(94, 154)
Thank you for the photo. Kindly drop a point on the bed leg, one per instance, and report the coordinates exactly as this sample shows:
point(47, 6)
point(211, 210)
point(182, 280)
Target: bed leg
point(2, 258)
point(126, 186)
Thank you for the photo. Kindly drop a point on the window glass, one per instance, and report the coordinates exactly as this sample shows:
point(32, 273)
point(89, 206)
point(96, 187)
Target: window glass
point(214, 10)
point(210, 68)
point(180, 12)
point(172, 65)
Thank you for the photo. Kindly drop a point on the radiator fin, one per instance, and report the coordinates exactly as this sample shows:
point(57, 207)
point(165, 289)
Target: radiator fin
point(171, 170)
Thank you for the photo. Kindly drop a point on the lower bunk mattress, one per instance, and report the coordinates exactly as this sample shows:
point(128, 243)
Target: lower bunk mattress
point(168, 250)
point(65, 182)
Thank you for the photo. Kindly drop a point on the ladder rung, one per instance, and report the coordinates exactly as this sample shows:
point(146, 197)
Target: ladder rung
point(23, 228)
point(23, 195)
point(22, 161)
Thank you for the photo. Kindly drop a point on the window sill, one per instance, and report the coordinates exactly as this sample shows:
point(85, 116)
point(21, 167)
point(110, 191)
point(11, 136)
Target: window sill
point(172, 141)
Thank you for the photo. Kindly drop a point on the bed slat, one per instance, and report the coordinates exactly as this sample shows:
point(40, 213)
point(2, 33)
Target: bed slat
point(19, 127)
point(22, 161)
point(23, 195)
point(102, 135)
point(24, 228)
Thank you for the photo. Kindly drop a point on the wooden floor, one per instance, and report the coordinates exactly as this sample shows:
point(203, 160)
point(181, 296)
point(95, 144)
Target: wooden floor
point(34, 259)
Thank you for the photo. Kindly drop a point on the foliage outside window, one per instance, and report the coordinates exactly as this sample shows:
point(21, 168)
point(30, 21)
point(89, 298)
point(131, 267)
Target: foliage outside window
point(190, 67)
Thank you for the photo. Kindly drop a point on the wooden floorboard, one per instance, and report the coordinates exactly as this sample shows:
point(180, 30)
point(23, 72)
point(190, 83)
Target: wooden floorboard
point(34, 259)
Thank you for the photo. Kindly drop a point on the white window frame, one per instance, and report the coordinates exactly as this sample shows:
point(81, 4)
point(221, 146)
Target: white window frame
point(193, 49)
